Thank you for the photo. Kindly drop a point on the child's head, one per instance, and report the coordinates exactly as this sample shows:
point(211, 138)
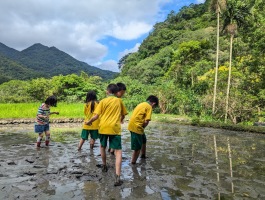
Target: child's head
point(153, 100)
point(122, 89)
point(112, 89)
point(51, 101)
point(91, 96)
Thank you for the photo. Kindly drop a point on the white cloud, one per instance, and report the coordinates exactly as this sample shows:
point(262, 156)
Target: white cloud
point(126, 51)
point(200, 1)
point(76, 27)
point(131, 30)
point(109, 65)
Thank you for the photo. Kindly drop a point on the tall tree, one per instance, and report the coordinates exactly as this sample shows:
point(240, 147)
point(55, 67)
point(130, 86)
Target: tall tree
point(217, 6)
point(234, 17)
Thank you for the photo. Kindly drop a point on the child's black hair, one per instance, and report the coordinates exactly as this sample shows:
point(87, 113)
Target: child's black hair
point(51, 100)
point(91, 96)
point(153, 99)
point(121, 86)
point(112, 88)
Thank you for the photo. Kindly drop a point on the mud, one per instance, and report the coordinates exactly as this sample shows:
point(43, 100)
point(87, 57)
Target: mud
point(184, 162)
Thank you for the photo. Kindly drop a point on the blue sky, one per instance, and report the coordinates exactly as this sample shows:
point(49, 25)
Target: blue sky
point(98, 32)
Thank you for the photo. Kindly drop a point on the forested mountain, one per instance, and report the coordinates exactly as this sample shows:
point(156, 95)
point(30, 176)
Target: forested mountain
point(42, 61)
point(10, 69)
point(179, 58)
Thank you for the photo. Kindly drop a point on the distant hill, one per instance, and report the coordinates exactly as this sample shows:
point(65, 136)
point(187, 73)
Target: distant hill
point(10, 69)
point(42, 61)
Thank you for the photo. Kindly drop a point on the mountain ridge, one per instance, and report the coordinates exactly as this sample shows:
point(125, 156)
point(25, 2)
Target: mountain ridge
point(44, 61)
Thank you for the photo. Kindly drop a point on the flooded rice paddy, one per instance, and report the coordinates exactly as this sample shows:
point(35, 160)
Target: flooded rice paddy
point(184, 162)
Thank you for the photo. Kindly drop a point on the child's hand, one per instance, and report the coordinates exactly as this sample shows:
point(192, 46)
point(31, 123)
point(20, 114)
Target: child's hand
point(88, 123)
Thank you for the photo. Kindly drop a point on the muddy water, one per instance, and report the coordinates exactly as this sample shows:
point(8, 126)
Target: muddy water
point(184, 162)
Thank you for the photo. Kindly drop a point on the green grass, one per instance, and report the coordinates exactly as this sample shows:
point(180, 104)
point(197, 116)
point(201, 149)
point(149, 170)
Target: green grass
point(72, 110)
point(29, 110)
point(75, 110)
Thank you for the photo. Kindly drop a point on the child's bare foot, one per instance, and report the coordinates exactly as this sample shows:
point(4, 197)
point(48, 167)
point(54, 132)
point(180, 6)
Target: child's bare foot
point(143, 156)
point(104, 168)
point(118, 181)
point(38, 144)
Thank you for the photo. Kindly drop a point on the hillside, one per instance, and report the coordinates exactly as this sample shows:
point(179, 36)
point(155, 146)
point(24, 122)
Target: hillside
point(179, 58)
point(10, 69)
point(42, 61)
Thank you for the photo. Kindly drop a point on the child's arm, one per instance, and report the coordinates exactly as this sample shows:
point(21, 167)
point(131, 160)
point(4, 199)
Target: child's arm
point(57, 113)
point(146, 123)
point(95, 117)
point(122, 118)
point(43, 116)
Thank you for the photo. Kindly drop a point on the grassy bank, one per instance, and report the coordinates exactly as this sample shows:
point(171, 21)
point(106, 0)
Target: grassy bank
point(75, 110)
point(206, 123)
point(29, 110)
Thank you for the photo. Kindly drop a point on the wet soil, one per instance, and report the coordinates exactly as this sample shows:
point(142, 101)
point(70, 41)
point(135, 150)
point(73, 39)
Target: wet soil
point(184, 162)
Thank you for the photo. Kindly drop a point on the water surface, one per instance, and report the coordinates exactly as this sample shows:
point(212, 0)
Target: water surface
point(184, 162)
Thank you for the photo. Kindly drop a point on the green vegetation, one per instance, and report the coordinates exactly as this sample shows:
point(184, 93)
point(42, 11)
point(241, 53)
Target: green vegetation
point(179, 61)
point(29, 110)
point(75, 111)
point(179, 58)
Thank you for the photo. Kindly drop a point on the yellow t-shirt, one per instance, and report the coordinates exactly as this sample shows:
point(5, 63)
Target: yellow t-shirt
point(110, 110)
point(141, 113)
point(88, 115)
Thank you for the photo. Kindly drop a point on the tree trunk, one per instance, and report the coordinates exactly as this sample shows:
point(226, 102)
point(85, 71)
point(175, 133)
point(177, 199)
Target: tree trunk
point(229, 77)
point(216, 63)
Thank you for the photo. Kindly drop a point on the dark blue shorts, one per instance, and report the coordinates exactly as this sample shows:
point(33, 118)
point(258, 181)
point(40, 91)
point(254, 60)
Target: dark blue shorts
point(42, 128)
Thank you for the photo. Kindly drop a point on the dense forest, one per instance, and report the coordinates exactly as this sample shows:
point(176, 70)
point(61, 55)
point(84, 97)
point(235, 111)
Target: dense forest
point(206, 61)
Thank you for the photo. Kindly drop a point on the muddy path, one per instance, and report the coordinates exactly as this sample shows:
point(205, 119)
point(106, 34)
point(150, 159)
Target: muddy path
point(184, 162)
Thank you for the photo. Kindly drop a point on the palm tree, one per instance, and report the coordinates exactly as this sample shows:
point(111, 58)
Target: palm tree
point(217, 6)
point(234, 17)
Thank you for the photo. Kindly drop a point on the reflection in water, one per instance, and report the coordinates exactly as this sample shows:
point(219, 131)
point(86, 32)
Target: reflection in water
point(184, 162)
point(139, 175)
point(217, 166)
point(91, 190)
point(230, 164)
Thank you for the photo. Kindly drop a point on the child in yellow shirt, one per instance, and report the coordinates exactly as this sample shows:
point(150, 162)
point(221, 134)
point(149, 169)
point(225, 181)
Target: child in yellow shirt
point(139, 120)
point(110, 110)
point(90, 106)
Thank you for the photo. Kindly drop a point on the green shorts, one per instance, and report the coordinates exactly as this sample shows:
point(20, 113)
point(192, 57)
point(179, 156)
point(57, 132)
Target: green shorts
point(93, 134)
point(137, 141)
point(114, 141)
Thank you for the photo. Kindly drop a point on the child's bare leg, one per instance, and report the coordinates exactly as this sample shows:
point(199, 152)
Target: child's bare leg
point(103, 157)
point(135, 156)
point(143, 151)
point(39, 139)
point(80, 144)
point(47, 139)
point(92, 142)
point(111, 151)
point(118, 155)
